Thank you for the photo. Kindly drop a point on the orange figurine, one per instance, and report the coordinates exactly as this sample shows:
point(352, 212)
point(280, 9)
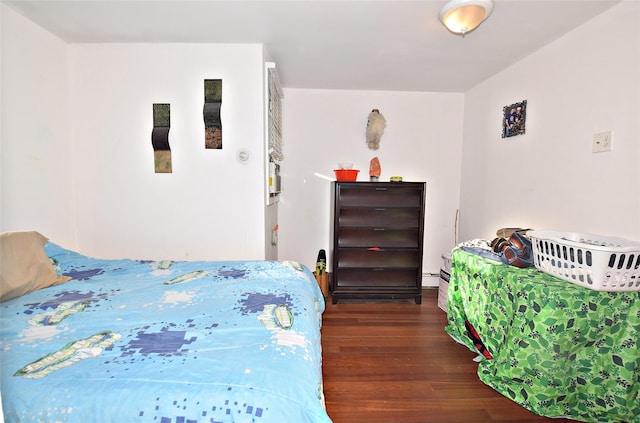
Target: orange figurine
point(374, 169)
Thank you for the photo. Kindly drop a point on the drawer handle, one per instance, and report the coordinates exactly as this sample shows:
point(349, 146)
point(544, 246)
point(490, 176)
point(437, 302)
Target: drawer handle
point(374, 249)
point(380, 209)
point(380, 189)
point(379, 229)
point(377, 269)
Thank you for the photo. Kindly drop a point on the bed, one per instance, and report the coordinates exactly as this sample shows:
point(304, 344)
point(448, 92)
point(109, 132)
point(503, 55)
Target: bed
point(164, 341)
point(557, 349)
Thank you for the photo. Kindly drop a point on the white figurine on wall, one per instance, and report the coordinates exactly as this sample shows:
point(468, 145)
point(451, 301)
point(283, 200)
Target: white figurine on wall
point(375, 128)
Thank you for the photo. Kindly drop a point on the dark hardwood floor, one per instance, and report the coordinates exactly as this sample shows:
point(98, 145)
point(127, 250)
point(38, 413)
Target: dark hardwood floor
point(392, 362)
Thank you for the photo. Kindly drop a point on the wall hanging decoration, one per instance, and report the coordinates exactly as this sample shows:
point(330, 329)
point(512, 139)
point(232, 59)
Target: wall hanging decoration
point(513, 119)
point(375, 128)
point(211, 113)
point(160, 137)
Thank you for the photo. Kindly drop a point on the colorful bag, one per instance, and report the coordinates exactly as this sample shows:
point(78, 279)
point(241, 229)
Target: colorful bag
point(517, 250)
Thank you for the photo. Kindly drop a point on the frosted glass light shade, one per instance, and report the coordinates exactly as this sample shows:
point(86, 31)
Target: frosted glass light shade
point(462, 16)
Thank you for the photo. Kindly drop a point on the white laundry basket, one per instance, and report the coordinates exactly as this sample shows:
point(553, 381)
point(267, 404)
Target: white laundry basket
point(592, 261)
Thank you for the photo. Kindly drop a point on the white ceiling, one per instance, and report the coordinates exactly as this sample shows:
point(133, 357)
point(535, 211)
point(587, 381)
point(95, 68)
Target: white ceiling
point(343, 44)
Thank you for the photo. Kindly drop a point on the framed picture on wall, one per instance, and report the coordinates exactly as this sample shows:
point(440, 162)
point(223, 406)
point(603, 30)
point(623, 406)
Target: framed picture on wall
point(514, 117)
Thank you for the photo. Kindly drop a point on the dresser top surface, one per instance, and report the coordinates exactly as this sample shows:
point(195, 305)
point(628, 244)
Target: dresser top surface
point(367, 183)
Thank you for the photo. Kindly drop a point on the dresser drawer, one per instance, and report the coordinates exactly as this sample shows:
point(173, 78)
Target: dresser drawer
point(380, 196)
point(379, 217)
point(378, 237)
point(377, 259)
point(372, 278)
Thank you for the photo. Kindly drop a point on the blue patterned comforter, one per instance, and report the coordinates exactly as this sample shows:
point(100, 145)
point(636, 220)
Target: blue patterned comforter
point(167, 342)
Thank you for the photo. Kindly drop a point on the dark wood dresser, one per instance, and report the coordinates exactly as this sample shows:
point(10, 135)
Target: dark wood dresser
point(378, 231)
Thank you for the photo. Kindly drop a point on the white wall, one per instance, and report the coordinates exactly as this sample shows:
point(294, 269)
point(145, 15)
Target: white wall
point(584, 83)
point(35, 142)
point(77, 159)
point(212, 205)
point(422, 142)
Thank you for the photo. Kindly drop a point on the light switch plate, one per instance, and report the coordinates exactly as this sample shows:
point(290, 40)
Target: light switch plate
point(602, 142)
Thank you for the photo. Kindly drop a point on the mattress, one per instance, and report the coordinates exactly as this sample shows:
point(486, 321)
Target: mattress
point(165, 341)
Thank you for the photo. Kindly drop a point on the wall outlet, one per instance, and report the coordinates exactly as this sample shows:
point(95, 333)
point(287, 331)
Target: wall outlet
point(602, 142)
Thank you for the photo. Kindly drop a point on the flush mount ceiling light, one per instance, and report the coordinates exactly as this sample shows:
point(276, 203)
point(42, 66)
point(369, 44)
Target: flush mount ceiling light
point(462, 16)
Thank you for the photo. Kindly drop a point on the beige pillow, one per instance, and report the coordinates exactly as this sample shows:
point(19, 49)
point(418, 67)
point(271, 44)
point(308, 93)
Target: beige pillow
point(24, 266)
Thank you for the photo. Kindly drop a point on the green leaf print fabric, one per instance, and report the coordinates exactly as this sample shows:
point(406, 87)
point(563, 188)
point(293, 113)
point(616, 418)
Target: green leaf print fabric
point(559, 350)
